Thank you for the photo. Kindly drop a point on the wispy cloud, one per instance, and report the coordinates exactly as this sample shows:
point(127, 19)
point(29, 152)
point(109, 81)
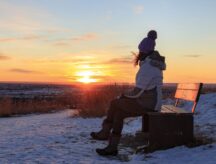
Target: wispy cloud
point(61, 44)
point(57, 42)
point(24, 71)
point(193, 56)
point(85, 37)
point(123, 60)
point(4, 57)
point(24, 38)
point(20, 18)
point(68, 41)
point(88, 60)
point(76, 61)
point(138, 9)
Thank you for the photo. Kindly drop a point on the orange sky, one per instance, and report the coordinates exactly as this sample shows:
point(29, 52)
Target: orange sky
point(70, 42)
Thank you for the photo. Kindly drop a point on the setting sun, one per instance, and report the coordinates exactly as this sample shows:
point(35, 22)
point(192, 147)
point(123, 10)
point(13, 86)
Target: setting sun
point(86, 77)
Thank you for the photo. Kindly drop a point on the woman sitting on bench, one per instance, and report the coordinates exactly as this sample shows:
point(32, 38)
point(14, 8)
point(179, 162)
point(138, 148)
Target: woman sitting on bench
point(145, 97)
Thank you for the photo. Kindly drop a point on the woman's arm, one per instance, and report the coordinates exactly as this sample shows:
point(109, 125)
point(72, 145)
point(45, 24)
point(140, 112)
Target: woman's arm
point(135, 93)
point(143, 80)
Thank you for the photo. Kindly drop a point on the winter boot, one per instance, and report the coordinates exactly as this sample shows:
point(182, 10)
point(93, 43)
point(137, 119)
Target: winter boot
point(112, 148)
point(103, 134)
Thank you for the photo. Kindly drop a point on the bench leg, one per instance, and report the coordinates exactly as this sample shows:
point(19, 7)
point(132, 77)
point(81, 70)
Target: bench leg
point(145, 123)
point(169, 130)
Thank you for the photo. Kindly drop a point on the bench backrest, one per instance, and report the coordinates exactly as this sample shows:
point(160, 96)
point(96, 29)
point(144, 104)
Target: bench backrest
point(189, 92)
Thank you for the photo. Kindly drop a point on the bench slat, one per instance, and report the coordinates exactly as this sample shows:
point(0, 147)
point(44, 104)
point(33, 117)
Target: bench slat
point(172, 109)
point(165, 110)
point(188, 92)
point(190, 86)
point(189, 95)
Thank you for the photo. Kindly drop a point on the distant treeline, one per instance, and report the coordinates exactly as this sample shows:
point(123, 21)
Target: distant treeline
point(90, 102)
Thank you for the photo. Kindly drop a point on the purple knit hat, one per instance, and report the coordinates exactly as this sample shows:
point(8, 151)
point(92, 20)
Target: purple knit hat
point(152, 34)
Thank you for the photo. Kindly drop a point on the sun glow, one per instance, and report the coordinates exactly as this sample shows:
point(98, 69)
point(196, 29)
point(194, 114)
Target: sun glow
point(86, 77)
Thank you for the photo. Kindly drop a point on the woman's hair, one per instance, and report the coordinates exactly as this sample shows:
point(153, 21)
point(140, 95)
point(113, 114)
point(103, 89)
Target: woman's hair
point(139, 56)
point(136, 58)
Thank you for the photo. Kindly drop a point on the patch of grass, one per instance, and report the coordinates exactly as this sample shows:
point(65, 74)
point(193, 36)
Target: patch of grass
point(95, 102)
point(9, 107)
point(5, 107)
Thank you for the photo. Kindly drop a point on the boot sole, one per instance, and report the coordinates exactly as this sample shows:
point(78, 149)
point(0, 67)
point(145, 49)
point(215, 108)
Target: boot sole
point(104, 153)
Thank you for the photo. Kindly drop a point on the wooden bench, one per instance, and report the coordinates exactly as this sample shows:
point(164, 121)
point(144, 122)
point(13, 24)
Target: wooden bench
point(172, 126)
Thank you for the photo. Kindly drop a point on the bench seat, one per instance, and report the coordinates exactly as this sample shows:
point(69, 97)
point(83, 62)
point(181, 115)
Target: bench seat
point(173, 109)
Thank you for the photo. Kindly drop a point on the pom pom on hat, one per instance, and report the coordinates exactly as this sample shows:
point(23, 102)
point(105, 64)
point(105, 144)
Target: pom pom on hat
point(152, 34)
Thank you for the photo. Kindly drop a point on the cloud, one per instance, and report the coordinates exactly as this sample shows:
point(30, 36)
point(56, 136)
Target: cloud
point(7, 39)
point(24, 38)
point(67, 41)
point(4, 57)
point(57, 42)
point(76, 62)
point(61, 44)
point(86, 37)
point(193, 56)
point(31, 37)
point(123, 60)
point(138, 9)
point(24, 71)
point(94, 62)
point(87, 60)
point(24, 18)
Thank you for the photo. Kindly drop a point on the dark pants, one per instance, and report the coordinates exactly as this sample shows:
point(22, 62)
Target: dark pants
point(126, 107)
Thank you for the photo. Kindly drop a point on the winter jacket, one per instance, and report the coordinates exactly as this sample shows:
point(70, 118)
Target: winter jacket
point(148, 77)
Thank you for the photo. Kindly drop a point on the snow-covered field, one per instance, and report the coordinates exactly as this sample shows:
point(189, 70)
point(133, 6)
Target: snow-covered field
point(59, 138)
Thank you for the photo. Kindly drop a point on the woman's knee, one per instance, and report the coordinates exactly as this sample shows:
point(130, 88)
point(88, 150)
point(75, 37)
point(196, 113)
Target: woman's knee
point(114, 103)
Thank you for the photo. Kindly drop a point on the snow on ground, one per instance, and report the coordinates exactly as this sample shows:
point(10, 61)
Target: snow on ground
point(59, 138)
